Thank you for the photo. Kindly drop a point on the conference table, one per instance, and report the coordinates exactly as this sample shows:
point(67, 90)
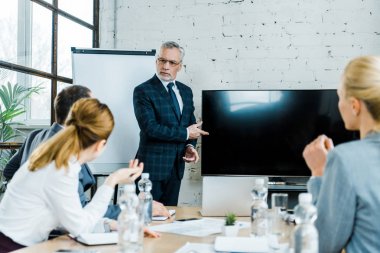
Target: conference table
point(166, 243)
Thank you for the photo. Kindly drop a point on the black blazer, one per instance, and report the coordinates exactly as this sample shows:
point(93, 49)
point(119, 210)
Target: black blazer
point(162, 134)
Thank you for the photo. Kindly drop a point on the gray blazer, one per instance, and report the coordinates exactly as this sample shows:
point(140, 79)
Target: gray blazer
point(348, 197)
point(86, 179)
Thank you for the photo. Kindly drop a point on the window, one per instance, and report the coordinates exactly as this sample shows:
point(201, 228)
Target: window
point(8, 35)
point(81, 9)
point(35, 47)
point(79, 37)
point(40, 111)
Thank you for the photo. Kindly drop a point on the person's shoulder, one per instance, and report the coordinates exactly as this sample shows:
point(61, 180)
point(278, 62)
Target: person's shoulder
point(72, 170)
point(178, 83)
point(346, 148)
point(42, 135)
point(35, 132)
point(351, 146)
point(148, 82)
point(349, 154)
point(183, 86)
point(32, 135)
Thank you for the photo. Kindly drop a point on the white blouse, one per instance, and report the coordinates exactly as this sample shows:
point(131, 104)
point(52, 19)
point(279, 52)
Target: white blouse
point(37, 202)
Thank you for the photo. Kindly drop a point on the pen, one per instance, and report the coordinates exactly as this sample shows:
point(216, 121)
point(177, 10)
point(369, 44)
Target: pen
point(188, 219)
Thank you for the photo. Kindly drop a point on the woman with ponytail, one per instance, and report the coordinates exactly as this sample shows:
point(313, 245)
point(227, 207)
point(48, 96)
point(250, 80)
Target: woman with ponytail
point(43, 194)
point(345, 179)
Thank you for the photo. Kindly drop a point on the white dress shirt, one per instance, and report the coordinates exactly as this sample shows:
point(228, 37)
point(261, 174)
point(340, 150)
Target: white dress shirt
point(37, 202)
point(178, 95)
point(176, 92)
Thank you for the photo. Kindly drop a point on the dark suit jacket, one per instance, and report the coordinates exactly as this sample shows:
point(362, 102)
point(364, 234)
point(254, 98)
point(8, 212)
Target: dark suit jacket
point(162, 135)
point(86, 179)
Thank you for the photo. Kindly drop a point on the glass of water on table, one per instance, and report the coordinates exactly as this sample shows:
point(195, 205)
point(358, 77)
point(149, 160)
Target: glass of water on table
point(278, 229)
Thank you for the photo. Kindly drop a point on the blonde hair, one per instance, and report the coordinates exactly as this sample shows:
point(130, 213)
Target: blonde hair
point(89, 121)
point(361, 79)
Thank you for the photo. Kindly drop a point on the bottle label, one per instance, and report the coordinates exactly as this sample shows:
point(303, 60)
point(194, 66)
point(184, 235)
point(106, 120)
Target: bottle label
point(259, 222)
point(148, 211)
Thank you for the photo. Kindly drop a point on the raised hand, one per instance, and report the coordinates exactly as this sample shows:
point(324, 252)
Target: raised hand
point(195, 131)
point(125, 175)
point(158, 209)
point(315, 154)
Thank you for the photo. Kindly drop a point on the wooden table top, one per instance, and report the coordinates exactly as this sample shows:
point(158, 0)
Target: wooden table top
point(166, 243)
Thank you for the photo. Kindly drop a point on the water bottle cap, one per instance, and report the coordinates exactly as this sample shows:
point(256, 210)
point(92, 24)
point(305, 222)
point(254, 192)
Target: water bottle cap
point(305, 198)
point(145, 175)
point(130, 187)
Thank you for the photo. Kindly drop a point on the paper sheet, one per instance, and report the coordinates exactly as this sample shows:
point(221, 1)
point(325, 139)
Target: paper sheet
point(97, 238)
point(196, 247)
point(241, 244)
point(198, 228)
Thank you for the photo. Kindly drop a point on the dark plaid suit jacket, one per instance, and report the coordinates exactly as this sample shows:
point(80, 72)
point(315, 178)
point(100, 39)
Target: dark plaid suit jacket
point(162, 134)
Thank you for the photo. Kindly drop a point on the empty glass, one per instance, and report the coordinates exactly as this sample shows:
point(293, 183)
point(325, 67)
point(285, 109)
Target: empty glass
point(278, 229)
point(279, 202)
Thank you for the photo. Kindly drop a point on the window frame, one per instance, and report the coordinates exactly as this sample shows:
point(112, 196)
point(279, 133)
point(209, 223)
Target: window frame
point(25, 42)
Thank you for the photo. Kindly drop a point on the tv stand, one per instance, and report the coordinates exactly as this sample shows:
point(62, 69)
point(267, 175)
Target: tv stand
point(276, 181)
point(301, 181)
point(292, 186)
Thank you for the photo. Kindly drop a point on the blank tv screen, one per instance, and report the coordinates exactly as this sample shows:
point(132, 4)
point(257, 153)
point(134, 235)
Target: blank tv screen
point(263, 132)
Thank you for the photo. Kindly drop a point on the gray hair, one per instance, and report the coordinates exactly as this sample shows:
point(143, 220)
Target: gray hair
point(172, 44)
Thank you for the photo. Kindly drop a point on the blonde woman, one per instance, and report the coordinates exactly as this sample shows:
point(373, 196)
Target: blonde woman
point(43, 194)
point(345, 181)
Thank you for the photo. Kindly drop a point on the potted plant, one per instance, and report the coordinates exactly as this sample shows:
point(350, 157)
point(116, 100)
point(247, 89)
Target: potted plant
point(230, 228)
point(12, 104)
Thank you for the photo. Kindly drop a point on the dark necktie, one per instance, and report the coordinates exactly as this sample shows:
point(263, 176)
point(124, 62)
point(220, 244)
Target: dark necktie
point(174, 99)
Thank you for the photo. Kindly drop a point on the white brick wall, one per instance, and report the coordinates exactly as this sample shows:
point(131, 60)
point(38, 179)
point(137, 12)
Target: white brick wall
point(247, 44)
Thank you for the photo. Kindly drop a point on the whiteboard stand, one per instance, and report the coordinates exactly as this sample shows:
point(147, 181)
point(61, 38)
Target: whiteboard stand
point(112, 75)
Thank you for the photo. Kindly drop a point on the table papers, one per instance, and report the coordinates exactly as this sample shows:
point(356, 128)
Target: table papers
point(196, 247)
point(198, 228)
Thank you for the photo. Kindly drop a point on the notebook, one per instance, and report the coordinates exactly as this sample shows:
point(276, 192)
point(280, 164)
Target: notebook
point(96, 238)
point(162, 218)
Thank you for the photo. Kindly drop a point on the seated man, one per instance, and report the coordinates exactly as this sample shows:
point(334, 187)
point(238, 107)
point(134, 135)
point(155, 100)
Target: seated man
point(62, 104)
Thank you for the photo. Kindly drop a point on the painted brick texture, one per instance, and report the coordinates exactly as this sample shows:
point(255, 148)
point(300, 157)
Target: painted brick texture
point(249, 44)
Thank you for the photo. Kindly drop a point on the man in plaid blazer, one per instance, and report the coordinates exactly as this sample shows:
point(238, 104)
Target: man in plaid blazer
point(164, 110)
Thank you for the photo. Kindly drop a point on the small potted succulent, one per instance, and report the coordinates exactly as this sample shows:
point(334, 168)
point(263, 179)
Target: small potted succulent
point(230, 227)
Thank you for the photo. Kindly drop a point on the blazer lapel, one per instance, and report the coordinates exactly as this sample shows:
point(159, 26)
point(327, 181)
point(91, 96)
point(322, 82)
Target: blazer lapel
point(184, 97)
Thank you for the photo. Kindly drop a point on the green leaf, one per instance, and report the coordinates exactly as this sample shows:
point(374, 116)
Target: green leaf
point(12, 104)
point(230, 219)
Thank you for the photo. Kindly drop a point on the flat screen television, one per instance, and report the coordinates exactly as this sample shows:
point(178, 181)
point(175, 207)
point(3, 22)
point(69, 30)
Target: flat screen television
point(263, 132)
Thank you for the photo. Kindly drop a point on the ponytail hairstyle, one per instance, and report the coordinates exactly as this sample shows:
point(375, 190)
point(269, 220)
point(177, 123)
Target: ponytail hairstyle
point(361, 80)
point(89, 121)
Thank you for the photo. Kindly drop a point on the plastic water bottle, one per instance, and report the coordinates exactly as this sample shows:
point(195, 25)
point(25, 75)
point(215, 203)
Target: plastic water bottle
point(305, 237)
point(130, 221)
point(259, 208)
point(145, 186)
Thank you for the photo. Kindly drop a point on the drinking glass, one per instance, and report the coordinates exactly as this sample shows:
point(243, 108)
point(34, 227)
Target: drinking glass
point(278, 229)
point(279, 202)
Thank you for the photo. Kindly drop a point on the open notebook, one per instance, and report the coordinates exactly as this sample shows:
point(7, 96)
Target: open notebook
point(97, 238)
point(162, 218)
point(108, 238)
